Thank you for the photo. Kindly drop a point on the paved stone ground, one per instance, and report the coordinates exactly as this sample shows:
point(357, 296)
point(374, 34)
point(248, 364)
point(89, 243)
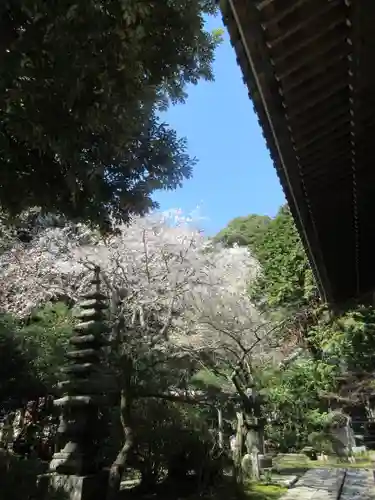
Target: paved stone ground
point(359, 485)
point(287, 480)
point(317, 484)
point(325, 484)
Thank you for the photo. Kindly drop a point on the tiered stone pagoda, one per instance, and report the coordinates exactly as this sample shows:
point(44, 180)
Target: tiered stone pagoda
point(75, 468)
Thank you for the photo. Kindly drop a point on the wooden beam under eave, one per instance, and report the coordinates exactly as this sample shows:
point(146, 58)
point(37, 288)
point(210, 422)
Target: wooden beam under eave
point(324, 139)
point(300, 134)
point(304, 94)
point(276, 18)
point(306, 42)
point(311, 59)
point(326, 64)
point(338, 87)
point(250, 32)
point(263, 4)
point(287, 34)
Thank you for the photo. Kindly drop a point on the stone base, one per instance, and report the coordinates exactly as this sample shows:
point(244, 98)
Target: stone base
point(55, 486)
point(265, 461)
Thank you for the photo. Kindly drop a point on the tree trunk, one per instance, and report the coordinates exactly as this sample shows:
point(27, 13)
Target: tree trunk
point(254, 447)
point(118, 466)
point(238, 451)
point(220, 428)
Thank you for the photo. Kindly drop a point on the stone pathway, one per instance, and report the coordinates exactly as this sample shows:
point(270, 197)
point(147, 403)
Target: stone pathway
point(317, 484)
point(359, 485)
point(333, 484)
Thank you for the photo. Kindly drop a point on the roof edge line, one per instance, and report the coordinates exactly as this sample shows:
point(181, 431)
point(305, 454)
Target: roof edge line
point(321, 288)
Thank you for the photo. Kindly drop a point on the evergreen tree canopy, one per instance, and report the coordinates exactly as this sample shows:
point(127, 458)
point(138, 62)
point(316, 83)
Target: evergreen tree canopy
point(286, 280)
point(243, 231)
point(80, 87)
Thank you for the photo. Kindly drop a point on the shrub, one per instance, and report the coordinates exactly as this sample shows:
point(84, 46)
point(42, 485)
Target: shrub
point(172, 441)
point(18, 477)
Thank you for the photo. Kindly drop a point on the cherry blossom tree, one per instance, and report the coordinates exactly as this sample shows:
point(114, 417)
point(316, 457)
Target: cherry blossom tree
point(166, 280)
point(169, 285)
point(160, 264)
point(172, 292)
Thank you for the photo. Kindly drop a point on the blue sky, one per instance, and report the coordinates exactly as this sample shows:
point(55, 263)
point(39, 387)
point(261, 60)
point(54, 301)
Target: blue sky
point(234, 175)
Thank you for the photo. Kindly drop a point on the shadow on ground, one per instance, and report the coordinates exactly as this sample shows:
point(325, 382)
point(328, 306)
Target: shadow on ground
point(227, 489)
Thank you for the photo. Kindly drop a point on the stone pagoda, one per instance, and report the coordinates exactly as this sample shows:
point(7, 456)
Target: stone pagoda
point(75, 470)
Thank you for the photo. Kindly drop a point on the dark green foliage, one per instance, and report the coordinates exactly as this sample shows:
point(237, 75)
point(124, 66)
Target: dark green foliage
point(44, 338)
point(295, 402)
point(80, 87)
point(32, 354)
point(208, 381)
point(337, 351)
point(18, 477)
point(286, 280)
point(243, 231)
point(18, 381)
point(348, 340)
point(169, 437)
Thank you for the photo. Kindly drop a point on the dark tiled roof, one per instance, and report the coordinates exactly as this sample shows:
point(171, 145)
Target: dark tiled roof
point(309, 70)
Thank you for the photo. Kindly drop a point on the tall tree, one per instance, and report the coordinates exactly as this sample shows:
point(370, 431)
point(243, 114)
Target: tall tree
point(294, 401)
point(167, 283)
point(286, 280)
point(330, 356)
point(243, 231)
point(80, 87)
point(284, 289)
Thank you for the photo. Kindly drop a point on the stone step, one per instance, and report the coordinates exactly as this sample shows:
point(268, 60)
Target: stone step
point(317, 484)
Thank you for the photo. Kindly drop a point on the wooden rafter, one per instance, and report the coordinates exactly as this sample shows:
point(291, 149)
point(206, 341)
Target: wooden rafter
point(309, 72)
